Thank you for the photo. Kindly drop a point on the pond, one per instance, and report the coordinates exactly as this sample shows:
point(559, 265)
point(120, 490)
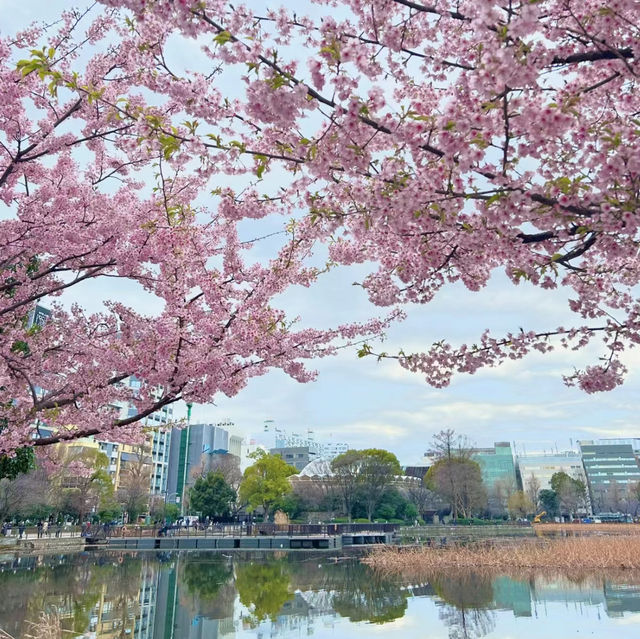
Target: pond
point(243, 595)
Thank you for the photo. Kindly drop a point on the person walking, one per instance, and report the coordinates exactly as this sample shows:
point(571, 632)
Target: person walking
point(45, 528)
point(40, 526)
point(21, 529)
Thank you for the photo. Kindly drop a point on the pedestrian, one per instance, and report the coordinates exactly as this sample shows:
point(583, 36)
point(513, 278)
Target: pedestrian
point(45, 527)
point(40, 526)
point(21, 530)
point(4, 529)
point(59, 530)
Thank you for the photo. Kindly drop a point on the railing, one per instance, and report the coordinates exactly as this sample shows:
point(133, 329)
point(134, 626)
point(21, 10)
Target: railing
point(245, 530)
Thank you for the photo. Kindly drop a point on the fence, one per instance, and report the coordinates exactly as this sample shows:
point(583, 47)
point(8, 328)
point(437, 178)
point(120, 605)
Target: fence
point(242, 530)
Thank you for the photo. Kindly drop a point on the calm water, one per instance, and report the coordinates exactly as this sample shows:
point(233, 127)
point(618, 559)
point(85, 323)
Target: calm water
point(206, 596)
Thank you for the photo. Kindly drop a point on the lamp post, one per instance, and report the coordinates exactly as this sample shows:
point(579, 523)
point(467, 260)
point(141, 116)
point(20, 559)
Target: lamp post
point(186, 460)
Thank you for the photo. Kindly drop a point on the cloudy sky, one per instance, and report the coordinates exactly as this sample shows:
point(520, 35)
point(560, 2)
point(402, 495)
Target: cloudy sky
point(377, 404)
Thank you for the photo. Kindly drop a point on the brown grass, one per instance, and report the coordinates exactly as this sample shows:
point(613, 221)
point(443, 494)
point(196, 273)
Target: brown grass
point(566, 554)
point(613, 529)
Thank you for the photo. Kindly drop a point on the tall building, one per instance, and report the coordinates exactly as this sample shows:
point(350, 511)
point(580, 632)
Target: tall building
point(497, 464)
point(611, 469)
point(158, 425)
point(235, 445)
point(193, 448)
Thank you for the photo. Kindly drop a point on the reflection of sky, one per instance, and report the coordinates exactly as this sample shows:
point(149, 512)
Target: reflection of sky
point(366, 403)
point(551, 621)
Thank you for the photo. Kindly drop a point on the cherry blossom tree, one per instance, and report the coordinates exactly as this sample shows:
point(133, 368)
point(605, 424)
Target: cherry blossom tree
point(439, 141)
point(97, 182)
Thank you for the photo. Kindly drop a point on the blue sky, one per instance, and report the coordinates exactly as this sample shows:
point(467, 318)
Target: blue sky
point(368, 403)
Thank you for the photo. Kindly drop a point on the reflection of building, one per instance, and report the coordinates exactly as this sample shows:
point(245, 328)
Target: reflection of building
point(113, 616)
point(497, 464)
point(512, 594)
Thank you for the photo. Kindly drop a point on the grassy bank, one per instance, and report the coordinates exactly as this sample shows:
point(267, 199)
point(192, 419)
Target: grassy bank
point(620, 552)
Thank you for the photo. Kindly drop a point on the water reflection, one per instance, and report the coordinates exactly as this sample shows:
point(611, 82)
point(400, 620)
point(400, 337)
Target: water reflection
point(467, 600)
point(193, 596)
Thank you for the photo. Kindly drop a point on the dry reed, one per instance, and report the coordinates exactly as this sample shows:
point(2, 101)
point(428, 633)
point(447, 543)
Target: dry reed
point(610, 529)
point(571, 553)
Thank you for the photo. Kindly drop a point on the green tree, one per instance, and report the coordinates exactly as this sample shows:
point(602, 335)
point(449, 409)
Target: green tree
point(265, 482)
point(22, 462)
point(571, 493)
point(376, 472)
point(548, 501)
point(345, 469)
point(211, 496)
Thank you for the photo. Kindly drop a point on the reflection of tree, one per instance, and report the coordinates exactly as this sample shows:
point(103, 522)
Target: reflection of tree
point(263, 587)
point(366, 596)
point(468, 596)
point(208, 583)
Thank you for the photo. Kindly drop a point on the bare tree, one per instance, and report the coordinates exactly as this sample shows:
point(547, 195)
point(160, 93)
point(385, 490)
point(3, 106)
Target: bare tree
point(448, 445)
point(133, 491)
point(499, 494)
point(459, 481)
point(229, 467)
point(532, 488)
point(454, 476)
point(11, 498)
point(422, 497)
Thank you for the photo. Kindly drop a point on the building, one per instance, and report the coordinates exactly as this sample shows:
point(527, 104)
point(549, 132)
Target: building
point(416, 471)
point(192, 451)
point(328, 450)
point(297, 456)
point(497, 465)
point(159, 428)
point(542, 467)
point(235, 445)
point(611, 469)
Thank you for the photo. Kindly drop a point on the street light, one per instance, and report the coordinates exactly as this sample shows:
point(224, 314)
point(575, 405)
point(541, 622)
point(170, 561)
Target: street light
point(186, 459)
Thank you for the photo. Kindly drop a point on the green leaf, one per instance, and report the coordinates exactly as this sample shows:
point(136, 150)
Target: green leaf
point(222, 38)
